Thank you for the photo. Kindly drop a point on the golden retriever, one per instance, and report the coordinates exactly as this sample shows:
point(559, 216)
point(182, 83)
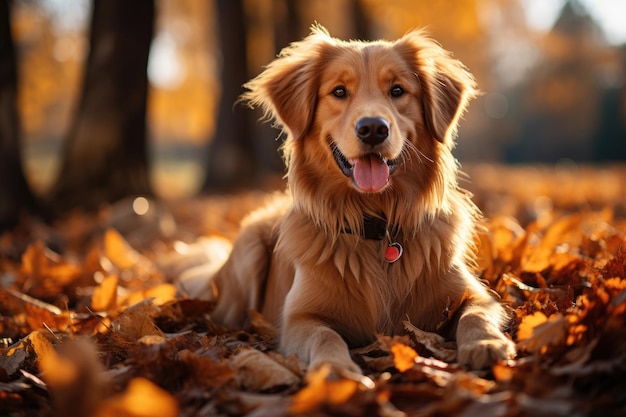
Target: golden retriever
point(375, 229)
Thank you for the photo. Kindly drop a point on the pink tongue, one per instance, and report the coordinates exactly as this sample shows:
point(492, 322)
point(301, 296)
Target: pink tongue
point(370, 173)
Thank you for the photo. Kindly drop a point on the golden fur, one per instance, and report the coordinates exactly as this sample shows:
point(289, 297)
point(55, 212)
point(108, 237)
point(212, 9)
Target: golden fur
point(302, 261)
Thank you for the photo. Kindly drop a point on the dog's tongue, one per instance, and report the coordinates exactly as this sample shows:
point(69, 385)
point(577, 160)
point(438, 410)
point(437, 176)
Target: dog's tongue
point(370, 173)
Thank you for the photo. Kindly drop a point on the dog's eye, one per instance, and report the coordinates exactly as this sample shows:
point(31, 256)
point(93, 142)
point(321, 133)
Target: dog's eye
point(396, 91)
point(340, 92)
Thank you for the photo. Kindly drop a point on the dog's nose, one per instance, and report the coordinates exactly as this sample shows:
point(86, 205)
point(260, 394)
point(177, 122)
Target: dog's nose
point(372, 130)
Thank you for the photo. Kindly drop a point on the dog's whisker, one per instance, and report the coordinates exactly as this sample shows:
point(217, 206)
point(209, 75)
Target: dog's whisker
point(420, 155)
point(424, 156)
point(409, 150)
point(405, 155)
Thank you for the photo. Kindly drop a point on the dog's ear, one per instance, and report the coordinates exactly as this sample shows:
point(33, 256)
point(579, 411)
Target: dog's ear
point(446, 85)
point(286, 90)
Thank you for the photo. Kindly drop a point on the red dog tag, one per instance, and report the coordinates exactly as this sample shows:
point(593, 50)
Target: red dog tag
point(393, 252)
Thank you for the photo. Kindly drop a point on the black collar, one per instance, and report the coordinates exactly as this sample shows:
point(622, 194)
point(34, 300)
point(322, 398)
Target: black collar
point(374, 228)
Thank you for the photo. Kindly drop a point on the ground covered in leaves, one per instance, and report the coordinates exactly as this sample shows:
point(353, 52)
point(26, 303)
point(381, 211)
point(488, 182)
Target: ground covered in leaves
point(91, 323)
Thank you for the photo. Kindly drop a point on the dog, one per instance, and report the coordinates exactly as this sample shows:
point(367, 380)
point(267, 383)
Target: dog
point(373, 229)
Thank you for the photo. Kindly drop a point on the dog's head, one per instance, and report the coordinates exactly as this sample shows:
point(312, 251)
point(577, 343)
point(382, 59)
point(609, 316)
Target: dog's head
point(369, 116)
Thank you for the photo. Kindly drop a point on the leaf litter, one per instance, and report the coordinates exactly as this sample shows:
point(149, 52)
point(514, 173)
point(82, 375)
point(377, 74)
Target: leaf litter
point(94, 325)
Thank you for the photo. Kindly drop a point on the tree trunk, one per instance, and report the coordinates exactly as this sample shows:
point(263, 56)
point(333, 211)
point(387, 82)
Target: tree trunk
point(15, 195)
point(231, 156)
point(106, 155)
point(362, 23)
point(288, 25)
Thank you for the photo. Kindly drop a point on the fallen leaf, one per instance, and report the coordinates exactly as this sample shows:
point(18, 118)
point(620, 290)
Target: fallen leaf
point(26, 351)
point(259, 372)
point(134, 323)
point(403, 356)
point(44, 273)
point(434, 342)
point(159, 294)
point(37, 314)
point(205, 371)
point(537, 332)
point(140, 399)
point(74, 377)
point(11, 360)
point(104, 296)
point(528, 325)
point(321, 391)
point(119, 252)
point(503, 372)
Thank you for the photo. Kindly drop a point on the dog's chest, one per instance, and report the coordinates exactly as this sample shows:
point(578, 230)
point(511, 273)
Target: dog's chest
point(396, 291)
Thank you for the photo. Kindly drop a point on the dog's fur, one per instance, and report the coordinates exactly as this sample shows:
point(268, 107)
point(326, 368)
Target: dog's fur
point(303, 262)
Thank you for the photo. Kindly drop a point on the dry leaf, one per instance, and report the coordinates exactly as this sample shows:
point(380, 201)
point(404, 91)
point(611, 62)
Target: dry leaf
point(259, 372)
point(159, 294)
point(206, 372)
point(537, 332)
point(403, 356)
point(140, 399)
point(321, 391)
point(136, 322)
point(104, 296)
point(74, 377)
point(433, 342)
point(36, 313)
point(528, 325)
point(44, 273)
point(503, 372)
point(24, 353)
point(119, 252)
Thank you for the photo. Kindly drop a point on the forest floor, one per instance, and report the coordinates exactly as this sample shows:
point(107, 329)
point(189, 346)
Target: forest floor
point(91, 323)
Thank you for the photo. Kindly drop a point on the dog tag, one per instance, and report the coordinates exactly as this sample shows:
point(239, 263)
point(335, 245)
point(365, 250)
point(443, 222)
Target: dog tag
point(393, 252)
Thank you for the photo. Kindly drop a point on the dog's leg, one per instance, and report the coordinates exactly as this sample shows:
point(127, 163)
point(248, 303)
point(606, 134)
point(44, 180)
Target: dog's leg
point(480, 340)
point(306, 328)
point(316, 343)
point(241, 281)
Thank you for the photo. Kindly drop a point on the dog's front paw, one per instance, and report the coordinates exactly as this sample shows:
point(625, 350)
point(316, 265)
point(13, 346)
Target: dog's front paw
point(481, 354)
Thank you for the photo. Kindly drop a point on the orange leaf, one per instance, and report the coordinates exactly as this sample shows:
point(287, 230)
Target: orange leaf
point(403, 356)
point(341, 391)
point(57, 371)
point(311, 396)
point(536, 332)
point(104, 296)
point(38, 314)
point(161, 294)
point(122, 255)
point(502, 372)
point(44, 272)
point(12, 359)
point(528, 324)
point(321, 391)
point(141, 399)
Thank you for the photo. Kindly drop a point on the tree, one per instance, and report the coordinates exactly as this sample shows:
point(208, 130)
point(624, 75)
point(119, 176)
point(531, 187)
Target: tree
point(15, 195)
point(231, 159)
point(105, 158)
point(362, 23)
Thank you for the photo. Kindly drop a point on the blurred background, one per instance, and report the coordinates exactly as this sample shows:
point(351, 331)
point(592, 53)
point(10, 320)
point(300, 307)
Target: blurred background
point(552, 73)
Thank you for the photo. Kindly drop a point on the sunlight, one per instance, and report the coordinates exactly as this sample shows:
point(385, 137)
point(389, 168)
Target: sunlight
point(541, 14)
point(165, 68)
point(141, 206)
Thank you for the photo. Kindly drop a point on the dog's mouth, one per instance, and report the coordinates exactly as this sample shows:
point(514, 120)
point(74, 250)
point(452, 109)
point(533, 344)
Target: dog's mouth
point(370, 173)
